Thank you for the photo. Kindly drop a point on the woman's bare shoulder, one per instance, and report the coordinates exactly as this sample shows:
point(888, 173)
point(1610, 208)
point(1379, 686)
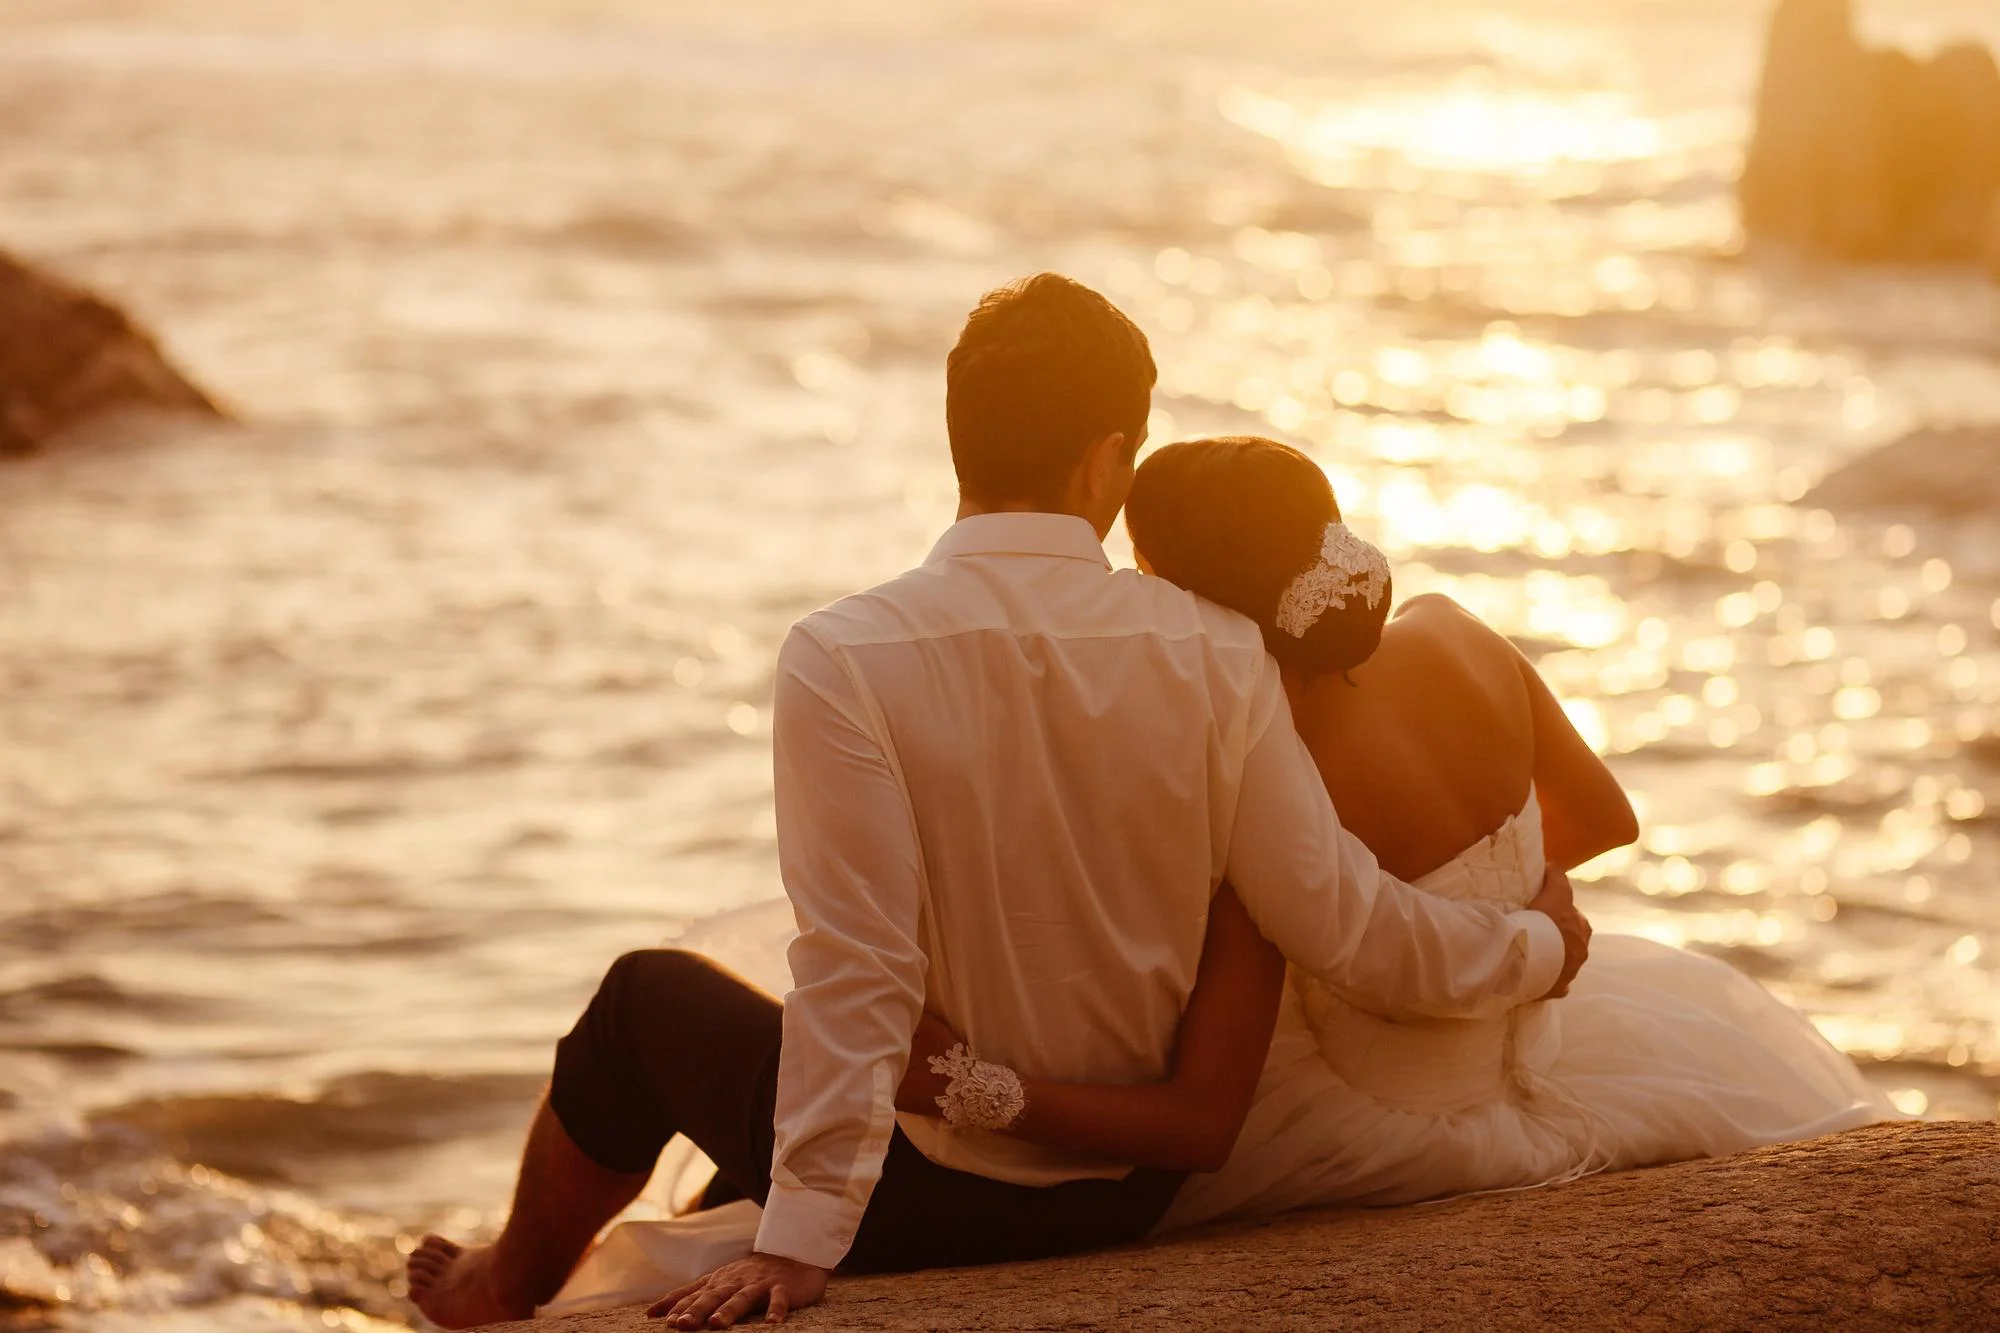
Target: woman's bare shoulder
point(1430, 604)
point(1448, 626)
point(1442, 615)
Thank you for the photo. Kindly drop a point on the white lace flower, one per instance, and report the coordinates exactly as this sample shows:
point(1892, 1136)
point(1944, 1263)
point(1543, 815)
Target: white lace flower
point(979, 1095)
point(1347, 567)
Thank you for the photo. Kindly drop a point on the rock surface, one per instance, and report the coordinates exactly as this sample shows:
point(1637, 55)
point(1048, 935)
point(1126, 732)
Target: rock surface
point(67, 357)
point(1870, 154)
point(1890, 1227)
point(1936, 472)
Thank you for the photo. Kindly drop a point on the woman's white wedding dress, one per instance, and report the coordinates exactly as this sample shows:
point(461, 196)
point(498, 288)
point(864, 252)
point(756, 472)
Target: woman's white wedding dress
point(1655, 1055)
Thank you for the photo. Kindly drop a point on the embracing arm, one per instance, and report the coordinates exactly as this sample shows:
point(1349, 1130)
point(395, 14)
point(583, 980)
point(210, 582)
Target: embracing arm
point(1318, 893)
point(1584, 810)
point(1190, 1121)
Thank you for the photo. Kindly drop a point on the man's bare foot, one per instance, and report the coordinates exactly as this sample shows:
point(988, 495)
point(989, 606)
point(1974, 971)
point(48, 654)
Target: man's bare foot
point(562, 1199)
point(457, 1287)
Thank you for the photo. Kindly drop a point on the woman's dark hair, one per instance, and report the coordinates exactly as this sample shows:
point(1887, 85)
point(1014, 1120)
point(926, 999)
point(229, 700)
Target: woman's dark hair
point(1235, 520)
point(1044, 368)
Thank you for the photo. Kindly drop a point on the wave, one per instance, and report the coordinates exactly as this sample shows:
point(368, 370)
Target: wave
point(90, 991)
point(169, 912)
point(100, 1224)
point(374, 768)
point(181, 1203)
point(616, 232)
point(73, 1052)
point(279, 1139)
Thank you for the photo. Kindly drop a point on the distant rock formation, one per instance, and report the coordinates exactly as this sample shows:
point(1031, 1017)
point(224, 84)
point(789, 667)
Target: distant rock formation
point(1872, 155)
point(1932, 472)
point(66, 357)
point(1890, 1227)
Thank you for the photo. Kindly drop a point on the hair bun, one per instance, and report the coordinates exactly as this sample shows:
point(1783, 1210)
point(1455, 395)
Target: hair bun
point(1241, 520)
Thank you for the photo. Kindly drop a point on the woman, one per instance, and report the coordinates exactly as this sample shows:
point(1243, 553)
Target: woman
point(1446, 753)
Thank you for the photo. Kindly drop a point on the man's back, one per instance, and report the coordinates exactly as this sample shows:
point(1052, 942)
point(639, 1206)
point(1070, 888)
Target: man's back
point(1069, 741)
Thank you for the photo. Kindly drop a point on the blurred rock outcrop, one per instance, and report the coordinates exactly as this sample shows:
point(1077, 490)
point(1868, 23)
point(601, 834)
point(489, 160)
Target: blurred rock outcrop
point(1934, 472)
point(1890, 1227)
point(1870, 154)
point(67, 357)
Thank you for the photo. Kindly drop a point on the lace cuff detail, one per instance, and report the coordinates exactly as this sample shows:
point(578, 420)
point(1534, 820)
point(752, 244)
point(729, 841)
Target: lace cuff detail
point(979, 1095)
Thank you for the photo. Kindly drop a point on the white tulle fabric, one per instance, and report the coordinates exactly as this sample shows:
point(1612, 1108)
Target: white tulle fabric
point(1656, 1055)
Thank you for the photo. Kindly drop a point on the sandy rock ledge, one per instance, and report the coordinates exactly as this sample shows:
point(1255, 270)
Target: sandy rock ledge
point(1890, 1227)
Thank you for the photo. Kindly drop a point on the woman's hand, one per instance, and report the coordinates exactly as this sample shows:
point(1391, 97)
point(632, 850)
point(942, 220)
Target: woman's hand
point(920, 1087)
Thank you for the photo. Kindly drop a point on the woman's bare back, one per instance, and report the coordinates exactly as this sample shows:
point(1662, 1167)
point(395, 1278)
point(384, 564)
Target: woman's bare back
point(1433, 746)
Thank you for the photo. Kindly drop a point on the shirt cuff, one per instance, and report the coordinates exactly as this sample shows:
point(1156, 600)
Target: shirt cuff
point(808, 1226)
point(1545, 953)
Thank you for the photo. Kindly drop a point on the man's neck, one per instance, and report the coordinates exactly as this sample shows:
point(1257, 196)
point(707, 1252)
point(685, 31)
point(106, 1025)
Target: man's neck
point(971, 508)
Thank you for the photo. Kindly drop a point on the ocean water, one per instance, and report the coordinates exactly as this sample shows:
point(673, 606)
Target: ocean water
point(584, 346)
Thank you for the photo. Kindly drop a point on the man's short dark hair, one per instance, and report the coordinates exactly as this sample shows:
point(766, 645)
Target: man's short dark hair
point(1044, 368)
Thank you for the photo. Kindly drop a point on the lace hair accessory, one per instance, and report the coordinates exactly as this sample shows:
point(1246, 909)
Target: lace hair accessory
point(1347, 567)
point(979, 1095)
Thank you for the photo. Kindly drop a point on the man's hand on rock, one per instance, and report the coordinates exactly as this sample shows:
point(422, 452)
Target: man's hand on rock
point(768, 1282)
point(1557, 901)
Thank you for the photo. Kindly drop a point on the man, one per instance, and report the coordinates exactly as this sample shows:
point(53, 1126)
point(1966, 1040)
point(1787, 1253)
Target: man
point(1008, 784)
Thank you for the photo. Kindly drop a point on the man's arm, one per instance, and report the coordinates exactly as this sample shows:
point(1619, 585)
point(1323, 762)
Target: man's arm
point(1316, 892)
point(851, 866)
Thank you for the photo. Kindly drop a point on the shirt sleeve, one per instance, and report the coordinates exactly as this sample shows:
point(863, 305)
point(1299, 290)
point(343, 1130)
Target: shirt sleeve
point(1316, 892)
point(848, 852)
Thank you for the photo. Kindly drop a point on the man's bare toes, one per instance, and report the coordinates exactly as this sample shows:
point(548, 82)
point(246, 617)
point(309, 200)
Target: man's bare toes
point(429, 1262)
point(454, 1286)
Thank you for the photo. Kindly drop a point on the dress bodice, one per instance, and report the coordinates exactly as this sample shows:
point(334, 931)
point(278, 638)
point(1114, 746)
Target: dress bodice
point(1446, 1064)
point(1504, 867)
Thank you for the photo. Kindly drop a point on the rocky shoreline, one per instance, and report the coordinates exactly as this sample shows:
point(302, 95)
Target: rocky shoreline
point(1890, 1227)
point(68, 358)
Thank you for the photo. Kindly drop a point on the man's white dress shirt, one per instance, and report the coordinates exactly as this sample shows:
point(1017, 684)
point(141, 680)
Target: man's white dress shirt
point(1008, 784)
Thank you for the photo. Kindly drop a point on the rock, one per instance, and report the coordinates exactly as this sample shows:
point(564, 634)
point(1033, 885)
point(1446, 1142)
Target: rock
point(1993, 239)
point(1936, 472)
point(1889, 1227)
point(1871, 155)
point(1945, 160)
point(1812, 152)
point(67, 357)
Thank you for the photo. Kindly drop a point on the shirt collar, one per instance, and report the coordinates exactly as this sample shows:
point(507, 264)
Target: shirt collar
point(1061, 535)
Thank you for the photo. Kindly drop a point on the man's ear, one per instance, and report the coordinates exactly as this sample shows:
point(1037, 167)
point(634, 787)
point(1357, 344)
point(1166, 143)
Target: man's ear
point(1101, 464)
